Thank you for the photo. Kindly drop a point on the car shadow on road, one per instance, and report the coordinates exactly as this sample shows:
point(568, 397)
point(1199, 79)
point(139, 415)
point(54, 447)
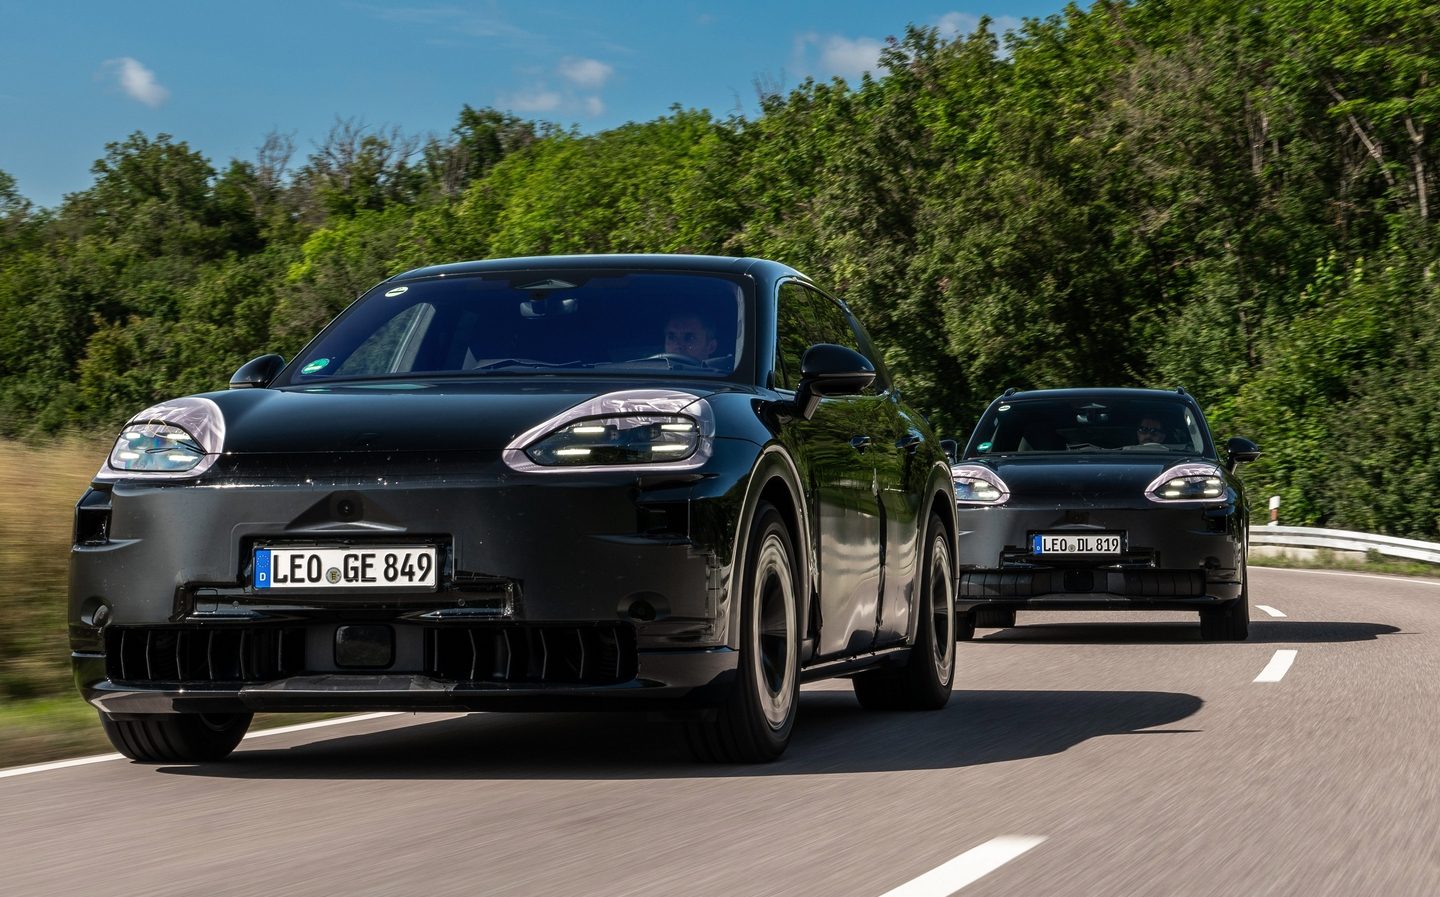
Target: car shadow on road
point(1262, 632)
point(833, 735)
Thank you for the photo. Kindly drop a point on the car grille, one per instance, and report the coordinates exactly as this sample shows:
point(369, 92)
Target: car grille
point(1130, 583)
point(487, 653)
point(598, 654)
point(209, 655)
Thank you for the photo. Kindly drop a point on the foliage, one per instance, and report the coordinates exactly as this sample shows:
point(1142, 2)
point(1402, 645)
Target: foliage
point(1234, 198)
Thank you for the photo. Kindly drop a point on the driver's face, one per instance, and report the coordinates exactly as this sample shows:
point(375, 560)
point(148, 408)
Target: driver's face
point(688, 335)
point(1150, 430)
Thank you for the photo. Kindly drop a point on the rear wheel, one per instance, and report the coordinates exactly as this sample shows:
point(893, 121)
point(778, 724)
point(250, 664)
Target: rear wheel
point(755, 722)
point(924, 682)
point(176, 737)
point(1230, 622)
point(994, 617)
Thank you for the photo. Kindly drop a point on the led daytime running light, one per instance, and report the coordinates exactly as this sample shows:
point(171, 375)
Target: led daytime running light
point(978, 485)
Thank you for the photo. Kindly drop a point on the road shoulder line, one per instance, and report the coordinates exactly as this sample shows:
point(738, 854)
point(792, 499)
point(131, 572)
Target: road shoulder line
point(973, 864)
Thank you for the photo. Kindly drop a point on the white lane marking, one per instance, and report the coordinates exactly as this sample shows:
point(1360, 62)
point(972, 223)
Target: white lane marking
point(102, 758)
point(59, 764)
point(1278, 666)
point(973, 864)
point(1269, 610)
point(1410, 579)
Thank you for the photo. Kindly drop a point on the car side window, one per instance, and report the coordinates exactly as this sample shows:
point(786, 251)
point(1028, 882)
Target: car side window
point(805, 317)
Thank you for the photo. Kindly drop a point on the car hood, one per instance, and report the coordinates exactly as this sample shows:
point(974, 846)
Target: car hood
point(1084, 479)
point(416, 416)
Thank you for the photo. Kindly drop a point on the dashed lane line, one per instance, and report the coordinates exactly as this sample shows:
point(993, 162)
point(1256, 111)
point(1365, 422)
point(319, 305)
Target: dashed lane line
point(970, 866)
point(102, 758)
point(1278, 666)
point(1269, 610)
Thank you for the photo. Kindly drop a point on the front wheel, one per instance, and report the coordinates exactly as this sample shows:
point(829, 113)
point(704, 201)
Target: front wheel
point(1230, 622)
point(176, 737)
point(924, 682)
point(755, 722)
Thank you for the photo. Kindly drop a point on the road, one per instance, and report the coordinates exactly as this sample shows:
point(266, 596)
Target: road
point(1080, 755)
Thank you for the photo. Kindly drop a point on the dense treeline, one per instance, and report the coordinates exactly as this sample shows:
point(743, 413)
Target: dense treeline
point(1237, 198)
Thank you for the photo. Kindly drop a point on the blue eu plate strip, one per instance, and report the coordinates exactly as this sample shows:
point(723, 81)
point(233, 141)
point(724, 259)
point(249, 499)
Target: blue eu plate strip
point(1034, 547)
point(262, 568)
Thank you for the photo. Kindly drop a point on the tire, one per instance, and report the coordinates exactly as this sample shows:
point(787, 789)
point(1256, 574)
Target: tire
point(925, 681)
point(176, 737)
point(754, 723)
point(965, 626)
point(994, 617)
point(1230, 622)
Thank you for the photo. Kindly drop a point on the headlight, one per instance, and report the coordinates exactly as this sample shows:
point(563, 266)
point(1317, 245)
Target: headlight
point(637, 439)
point(978, 485)
point(157, 447)
point(179, 438)
point(1187, 482)
point(657, 429)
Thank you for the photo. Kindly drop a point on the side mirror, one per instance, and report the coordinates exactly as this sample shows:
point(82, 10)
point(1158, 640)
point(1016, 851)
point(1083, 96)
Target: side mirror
point(257, 372)
point(830, 370)
point(1240, 451)
point(951, 448)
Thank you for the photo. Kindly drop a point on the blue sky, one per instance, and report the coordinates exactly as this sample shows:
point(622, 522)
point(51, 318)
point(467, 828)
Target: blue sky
point(220, 76)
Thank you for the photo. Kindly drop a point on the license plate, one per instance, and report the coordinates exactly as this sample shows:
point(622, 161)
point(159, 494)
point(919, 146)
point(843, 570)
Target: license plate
point(357, 567)
point(1075, 543)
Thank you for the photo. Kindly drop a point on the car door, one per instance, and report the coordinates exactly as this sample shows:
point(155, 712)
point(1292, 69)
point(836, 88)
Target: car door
point(834, 451)
point(897, 439)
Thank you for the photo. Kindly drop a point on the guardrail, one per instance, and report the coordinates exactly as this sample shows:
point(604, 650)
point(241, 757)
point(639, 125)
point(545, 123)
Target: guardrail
point(1344, 540)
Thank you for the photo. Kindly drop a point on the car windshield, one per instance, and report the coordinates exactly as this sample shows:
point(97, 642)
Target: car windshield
point(535, 322)
point(1090, 424)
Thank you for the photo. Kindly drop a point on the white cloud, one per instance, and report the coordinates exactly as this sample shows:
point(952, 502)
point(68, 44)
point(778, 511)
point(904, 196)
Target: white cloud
point(595, 106)
point(538, 100)
point(590, 73)
point(843, 56)
point(851, 57)
point(137, 81)
point(963, 24)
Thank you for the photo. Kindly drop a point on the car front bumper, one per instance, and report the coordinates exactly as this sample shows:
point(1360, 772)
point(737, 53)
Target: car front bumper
point(1173, 558)
point(583, 591)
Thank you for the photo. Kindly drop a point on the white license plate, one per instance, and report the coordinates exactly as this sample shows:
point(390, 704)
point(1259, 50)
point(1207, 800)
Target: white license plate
point(357, 567)
point(1075, 543)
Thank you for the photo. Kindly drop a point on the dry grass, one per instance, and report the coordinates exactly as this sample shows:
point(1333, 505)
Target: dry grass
point(38, 490)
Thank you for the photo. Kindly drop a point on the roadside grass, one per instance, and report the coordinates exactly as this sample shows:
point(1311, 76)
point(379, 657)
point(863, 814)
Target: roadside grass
point(41, 715)
point(1325, 559)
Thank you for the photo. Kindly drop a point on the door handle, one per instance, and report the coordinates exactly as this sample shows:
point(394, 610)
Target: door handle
point(909, 442)
point(860, 443)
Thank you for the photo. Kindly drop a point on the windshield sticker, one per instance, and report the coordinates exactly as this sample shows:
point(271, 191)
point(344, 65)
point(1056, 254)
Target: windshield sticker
point(984, 446)
point(397, 291)
point(318, 364)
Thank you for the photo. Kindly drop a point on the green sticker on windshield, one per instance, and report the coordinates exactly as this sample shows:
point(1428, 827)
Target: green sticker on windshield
point(316, 365)
point(984, 446)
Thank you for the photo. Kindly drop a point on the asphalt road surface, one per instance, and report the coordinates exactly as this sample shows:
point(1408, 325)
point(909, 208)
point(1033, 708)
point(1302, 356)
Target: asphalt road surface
point(1080, 755)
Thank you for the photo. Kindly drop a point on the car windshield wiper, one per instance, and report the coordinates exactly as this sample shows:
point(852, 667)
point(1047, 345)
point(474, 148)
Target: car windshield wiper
point(527, 363)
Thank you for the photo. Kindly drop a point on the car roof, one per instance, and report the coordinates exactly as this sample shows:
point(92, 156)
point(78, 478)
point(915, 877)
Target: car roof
point(1099, 392)
point(654, 261)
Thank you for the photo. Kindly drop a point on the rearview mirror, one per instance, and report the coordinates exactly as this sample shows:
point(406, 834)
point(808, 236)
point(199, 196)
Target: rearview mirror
point(1240, 451)
point(257, 372)
point(830, 370)
point(952, 450)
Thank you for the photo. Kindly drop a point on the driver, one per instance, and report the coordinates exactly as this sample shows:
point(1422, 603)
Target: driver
point(689, 335)
point(1151, 431)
